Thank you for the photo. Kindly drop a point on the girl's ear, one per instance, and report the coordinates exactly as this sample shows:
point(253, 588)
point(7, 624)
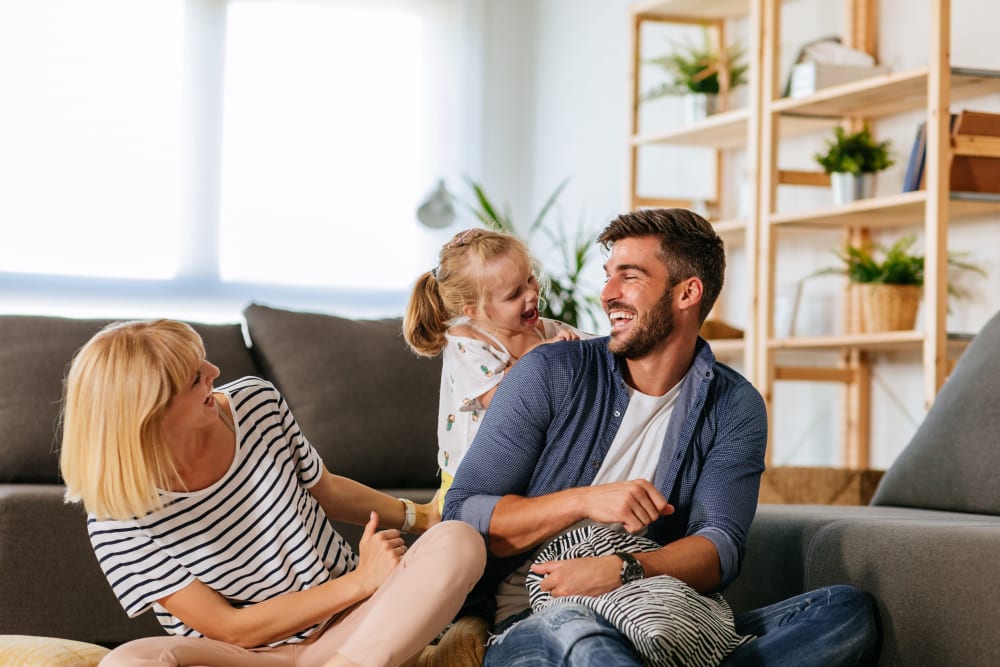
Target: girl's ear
point(469, 311)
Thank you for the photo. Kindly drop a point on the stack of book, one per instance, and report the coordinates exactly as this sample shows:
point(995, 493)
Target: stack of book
point(969, 173)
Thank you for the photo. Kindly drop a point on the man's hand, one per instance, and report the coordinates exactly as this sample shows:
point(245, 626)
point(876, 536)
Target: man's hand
point(580, 576)
point(635, 504)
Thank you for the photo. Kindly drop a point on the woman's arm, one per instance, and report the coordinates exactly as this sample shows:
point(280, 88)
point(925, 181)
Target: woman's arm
point(343, 499)
point(202, 608)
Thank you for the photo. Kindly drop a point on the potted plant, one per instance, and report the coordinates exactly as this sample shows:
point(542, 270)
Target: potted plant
point(699, 73)
point(852, 159)
point(890, 281)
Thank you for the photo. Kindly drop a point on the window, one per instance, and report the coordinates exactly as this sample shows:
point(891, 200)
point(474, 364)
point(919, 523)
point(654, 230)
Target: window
point(208, 153)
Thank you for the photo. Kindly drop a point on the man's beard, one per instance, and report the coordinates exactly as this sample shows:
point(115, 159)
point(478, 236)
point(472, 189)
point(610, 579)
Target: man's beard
point(655, 327)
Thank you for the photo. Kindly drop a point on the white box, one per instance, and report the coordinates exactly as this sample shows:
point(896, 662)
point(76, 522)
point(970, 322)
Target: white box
point(807, 78)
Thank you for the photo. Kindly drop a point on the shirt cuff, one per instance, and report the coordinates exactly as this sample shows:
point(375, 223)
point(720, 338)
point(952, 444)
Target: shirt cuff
point(477, 512)
point(728, 555)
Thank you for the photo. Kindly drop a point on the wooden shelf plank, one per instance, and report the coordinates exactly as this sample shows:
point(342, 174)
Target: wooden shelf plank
point(727, 347)
point(885, 94)
point(884, 342)
point(897, 210)
point(716, 9)
point(727, 129)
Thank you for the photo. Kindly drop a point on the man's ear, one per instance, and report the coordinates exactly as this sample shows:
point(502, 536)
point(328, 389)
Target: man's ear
point(689, 293)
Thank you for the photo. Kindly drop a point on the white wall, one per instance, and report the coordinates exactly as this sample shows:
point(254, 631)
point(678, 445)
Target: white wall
point(555, 105)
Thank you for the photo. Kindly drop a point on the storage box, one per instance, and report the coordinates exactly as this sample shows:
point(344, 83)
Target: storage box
point(809, 77)
point(794, 485)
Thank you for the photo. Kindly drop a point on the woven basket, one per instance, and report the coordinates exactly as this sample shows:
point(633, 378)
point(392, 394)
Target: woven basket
point(888, 307)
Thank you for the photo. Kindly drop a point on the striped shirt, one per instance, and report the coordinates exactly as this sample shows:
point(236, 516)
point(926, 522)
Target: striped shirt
point(553, 419)
point(255, 534)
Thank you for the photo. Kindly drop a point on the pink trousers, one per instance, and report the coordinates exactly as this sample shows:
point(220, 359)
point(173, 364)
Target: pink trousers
point(390, 628)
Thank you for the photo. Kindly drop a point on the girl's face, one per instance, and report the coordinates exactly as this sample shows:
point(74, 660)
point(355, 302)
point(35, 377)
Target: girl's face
point(193, 406)
point(512, 304)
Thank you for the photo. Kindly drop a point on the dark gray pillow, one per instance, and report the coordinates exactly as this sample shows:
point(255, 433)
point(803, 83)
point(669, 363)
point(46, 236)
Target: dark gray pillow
point(35, 353)
point(953, 461)
point(361, 397)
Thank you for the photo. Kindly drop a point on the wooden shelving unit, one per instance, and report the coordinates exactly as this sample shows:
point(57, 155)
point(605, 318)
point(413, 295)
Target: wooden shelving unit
point(728, 130)
point(762, 127)
point(933, 89)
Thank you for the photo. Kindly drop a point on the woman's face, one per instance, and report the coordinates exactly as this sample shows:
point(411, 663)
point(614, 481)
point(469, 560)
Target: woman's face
point(194, 406)
point(512, 306)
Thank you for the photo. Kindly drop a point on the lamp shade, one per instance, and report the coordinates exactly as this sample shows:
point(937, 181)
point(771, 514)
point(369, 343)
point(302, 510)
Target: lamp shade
point(437, 210)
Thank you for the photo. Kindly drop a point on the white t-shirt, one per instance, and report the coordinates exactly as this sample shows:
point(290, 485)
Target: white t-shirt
point(255, 534)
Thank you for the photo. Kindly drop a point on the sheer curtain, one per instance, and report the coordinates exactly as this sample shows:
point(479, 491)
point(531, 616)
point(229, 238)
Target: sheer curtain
point(182, 157)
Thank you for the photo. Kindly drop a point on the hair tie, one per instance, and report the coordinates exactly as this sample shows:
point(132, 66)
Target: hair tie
point(434, 272)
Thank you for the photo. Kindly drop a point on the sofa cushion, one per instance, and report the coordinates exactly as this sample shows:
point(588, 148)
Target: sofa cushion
point(361, 397)
point(948, 465)
point(35, 353)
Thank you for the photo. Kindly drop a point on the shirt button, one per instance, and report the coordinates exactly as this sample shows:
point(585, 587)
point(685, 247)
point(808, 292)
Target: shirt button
point(617, 413)
point(595, 465)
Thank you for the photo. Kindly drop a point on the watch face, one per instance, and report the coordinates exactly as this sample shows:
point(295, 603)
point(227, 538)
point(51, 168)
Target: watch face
point(631, 569)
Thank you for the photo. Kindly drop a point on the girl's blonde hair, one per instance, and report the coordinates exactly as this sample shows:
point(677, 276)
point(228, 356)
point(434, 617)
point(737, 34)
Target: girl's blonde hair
point(119, 385)
point(460, 279)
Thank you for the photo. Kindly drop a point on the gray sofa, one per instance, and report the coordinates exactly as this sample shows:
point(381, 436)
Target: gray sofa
point(927, 547)
point(363, 399)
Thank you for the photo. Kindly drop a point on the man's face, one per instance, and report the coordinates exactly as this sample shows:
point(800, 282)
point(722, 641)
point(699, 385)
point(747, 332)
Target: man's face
point(637, 297)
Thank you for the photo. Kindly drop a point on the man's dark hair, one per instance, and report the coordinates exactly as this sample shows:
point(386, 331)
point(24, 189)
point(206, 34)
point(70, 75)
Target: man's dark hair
point(689, 246)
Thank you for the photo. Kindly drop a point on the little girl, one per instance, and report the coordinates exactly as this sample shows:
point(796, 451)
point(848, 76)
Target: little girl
point(480, 307)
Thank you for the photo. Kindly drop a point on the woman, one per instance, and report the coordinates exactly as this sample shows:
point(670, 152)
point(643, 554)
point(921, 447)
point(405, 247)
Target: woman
point(211, 507)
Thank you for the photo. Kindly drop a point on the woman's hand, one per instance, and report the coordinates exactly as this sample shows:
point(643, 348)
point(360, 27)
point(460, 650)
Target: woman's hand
point(378, 553)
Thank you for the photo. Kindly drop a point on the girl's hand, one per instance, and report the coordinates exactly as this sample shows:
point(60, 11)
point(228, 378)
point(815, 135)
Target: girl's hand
point(564, 334)
point(428, 514)
point(379, 552)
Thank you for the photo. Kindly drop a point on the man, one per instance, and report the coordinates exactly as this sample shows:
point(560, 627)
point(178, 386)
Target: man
point(645, 430)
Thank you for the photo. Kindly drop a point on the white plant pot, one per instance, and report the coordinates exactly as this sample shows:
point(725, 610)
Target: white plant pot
point(849, 187)
point(698, 106)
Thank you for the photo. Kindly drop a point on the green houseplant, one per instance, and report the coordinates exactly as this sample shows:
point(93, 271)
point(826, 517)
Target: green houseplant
point(699, 73)
point(890, 281)
point(852, 159)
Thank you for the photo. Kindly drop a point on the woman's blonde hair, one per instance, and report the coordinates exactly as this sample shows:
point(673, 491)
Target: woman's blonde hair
point(460, 279)
point(119, 385)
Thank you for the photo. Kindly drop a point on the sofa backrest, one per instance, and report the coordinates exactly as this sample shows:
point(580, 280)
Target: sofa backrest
point(953, 461)
point(363, 399)
point(35, 353)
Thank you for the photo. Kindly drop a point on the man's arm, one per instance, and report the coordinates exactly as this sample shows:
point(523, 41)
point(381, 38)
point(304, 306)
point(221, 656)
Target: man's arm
point(520, 523)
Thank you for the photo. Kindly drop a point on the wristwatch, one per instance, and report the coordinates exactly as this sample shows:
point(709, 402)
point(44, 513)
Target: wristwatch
point(631, 568)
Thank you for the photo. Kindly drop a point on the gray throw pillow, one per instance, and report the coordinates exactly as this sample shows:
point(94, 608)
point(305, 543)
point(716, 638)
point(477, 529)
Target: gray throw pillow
point(35, 353)
point(361, 397)
point(951, 462)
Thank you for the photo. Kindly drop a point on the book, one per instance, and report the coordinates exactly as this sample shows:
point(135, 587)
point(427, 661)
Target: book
point(915, 165)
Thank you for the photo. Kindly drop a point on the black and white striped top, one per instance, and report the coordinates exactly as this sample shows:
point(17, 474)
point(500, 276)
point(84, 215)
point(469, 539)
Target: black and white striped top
point(255, 534)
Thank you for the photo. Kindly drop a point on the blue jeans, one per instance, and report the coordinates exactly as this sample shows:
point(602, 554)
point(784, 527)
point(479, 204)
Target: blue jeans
point(827, 627)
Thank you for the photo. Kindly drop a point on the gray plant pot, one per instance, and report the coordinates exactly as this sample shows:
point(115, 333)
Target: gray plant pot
point(849, 187)
point(698, 106)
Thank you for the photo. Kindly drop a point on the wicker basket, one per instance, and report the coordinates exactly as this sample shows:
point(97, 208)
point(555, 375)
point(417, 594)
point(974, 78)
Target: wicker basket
point(888, 307)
